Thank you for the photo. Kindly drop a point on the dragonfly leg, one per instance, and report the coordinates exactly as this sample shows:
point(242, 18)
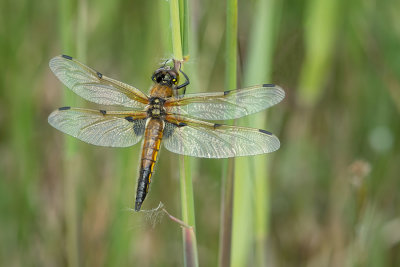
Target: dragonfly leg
point(186, 83)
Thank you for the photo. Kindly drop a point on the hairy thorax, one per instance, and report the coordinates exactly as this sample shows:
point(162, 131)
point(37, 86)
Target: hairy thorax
point(158, 96)
point(156, 109)
point(161, 91)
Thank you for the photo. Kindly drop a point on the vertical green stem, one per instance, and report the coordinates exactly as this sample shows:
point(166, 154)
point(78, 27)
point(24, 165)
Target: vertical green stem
point(225, 236)
point(319, 46)
point(258, 71)
point(70, 170)
point(176, 30)
point(228, 181)
point(72, 166)
point(186, 185)
point(82, 30)
point(184, 17)
point(231, 44)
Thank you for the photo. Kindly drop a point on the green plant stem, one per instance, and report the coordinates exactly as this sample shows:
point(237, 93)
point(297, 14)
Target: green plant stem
point(82, 30)
point(242, 186)
point(231, 44)
point(187, 200)
point(257, 71)
point(225, 236)
point(184, 18)
point(226, 233)
point(319, 47)
point(70, 147)
point(72, 162)
point(176, 30)
point(186, 185)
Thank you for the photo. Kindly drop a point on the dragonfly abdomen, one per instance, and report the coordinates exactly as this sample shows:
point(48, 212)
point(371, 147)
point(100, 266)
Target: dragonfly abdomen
point(151, 145)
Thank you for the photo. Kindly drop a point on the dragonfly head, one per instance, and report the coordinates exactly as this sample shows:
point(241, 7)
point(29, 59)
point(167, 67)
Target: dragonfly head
point(165, 76)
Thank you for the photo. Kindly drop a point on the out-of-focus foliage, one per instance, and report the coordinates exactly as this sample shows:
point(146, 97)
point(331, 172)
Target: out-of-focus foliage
point(334, 183)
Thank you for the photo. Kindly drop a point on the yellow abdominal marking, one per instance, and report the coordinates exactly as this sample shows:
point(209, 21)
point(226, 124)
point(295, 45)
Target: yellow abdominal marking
point(147, 186)
point(155, 156)
point(158, 145)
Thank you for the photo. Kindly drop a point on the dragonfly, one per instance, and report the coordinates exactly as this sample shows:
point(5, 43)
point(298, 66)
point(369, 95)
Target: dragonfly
point(128, 115)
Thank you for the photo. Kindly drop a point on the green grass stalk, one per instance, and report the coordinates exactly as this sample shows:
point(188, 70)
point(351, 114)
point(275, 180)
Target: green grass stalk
point(320, 32)
point(82, 30)
point(176, 30)
point(257, 71)
point(19, 194)
point(186, 185)
point(242, 240)
point(184, 18)
point(71, 170)
point(231, 44)
point(241, 212)
point(226, 234)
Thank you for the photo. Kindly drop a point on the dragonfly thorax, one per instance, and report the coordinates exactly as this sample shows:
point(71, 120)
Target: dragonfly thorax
point(156, 108)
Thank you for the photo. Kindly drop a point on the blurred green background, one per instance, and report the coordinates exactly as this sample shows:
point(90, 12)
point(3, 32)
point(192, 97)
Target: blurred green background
point(334, 184)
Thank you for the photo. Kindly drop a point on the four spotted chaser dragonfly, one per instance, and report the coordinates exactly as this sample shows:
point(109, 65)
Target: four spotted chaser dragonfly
point(160, 117)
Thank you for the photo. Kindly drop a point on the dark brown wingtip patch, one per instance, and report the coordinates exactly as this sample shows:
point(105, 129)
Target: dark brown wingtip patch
point(66, 57)
point(227, 92)
point(181, 124)
point(264, 131)
point(268, 85)
point(64, 108)
point(216, 125)
point(102, 111)
point(99, 75)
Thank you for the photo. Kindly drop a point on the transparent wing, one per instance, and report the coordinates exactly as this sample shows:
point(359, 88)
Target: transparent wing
point(227, 105)
point(101, 128)
point(208, 140)
point(94, 86)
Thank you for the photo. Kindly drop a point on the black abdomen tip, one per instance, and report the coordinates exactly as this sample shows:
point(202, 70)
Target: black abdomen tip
point(138, 205)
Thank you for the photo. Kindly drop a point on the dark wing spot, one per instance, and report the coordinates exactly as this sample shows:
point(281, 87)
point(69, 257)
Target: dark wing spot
point(99, 75)
point(181, 124)
point(168, 131)
point(64, 108)
point(137, 127)
point(67, 57)
point(102, 111)
point(268, 85)
point(264, 131)
point(130, 119)
point(227, 92)
point(216, 125)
